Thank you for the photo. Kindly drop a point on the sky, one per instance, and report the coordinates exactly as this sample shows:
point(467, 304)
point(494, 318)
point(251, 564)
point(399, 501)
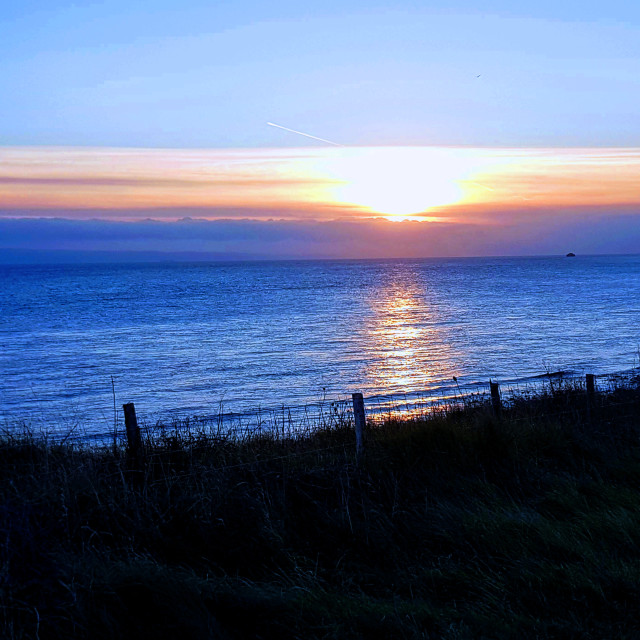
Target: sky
point(458, 128)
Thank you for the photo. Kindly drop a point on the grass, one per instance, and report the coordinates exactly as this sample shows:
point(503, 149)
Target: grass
point(453, 525)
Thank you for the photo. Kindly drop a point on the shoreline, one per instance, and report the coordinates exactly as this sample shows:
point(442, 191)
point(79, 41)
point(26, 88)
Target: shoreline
point(321, 414)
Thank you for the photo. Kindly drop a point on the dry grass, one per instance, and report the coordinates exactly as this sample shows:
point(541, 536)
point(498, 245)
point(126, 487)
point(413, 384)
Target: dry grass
point(457, 525)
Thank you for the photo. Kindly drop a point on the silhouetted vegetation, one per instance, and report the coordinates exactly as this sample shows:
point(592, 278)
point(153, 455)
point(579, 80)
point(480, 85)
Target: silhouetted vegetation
point(455, 525)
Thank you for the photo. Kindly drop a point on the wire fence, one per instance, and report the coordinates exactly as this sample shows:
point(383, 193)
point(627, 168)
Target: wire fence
point(287, 432)
point(330, 414)
point(581, 398)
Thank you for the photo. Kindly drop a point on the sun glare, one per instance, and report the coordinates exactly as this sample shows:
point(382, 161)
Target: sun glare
point(401, 183)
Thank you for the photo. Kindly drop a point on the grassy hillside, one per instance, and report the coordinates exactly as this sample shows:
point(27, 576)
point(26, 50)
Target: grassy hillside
point(459, 525)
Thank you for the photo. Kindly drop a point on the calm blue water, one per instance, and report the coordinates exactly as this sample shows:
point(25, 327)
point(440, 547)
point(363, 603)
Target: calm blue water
point(178, 339)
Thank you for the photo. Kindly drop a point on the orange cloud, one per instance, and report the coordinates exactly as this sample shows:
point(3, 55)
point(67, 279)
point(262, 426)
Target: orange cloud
point(451, 184)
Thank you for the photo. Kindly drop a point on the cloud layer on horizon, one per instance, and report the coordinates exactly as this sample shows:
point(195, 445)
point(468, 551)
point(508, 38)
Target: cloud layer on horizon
point(27, 239)
point(329, 203)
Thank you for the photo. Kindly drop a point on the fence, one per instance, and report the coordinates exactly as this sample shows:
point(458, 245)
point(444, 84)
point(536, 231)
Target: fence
point(358, 412)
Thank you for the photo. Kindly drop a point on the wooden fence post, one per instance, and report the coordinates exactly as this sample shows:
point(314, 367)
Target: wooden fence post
point(360, 421)
point(591, 394)
point(134, 440)
point(591, 387)
point(496, 403)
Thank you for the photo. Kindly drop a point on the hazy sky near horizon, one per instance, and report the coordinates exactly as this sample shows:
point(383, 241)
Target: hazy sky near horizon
point(518, 116)
point(452, 184)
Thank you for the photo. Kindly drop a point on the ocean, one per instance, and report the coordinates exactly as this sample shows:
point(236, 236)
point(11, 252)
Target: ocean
point(183, 340)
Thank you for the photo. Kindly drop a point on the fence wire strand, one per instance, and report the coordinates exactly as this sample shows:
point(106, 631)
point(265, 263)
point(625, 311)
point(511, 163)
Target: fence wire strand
point(288, 426)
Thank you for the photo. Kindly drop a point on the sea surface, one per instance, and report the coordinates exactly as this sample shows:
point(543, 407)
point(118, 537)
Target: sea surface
point(187, 339)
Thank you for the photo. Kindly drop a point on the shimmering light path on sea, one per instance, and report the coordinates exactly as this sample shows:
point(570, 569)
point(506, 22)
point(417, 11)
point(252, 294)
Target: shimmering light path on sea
point(179, 339)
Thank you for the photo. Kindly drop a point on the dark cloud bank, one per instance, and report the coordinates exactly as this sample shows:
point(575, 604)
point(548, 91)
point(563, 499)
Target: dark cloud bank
point(41, 240)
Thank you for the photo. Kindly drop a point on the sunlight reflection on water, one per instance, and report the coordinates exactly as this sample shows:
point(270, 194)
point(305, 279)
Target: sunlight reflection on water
point(179, 339)
point(407, 338)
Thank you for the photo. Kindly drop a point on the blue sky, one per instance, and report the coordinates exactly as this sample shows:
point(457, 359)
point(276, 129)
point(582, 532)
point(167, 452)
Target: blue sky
point(201, 74)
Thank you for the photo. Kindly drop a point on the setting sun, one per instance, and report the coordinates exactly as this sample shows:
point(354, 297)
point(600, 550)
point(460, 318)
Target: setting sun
point(398, 183)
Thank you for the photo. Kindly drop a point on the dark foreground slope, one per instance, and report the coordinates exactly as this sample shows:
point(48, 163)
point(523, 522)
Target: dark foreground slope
point(458, 526)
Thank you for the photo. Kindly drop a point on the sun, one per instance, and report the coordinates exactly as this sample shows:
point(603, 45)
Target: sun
point(398, 183)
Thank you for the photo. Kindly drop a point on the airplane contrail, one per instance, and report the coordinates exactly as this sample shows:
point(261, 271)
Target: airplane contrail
point(482, 186)
point(335, 144)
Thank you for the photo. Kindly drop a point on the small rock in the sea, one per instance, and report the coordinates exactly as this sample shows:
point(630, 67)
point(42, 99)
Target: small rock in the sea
point(571, 255)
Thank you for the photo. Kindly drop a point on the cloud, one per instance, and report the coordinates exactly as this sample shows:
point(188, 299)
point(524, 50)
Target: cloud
point(284, 204)
point(188, 239)
point(321, 184)
point(100, 181)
